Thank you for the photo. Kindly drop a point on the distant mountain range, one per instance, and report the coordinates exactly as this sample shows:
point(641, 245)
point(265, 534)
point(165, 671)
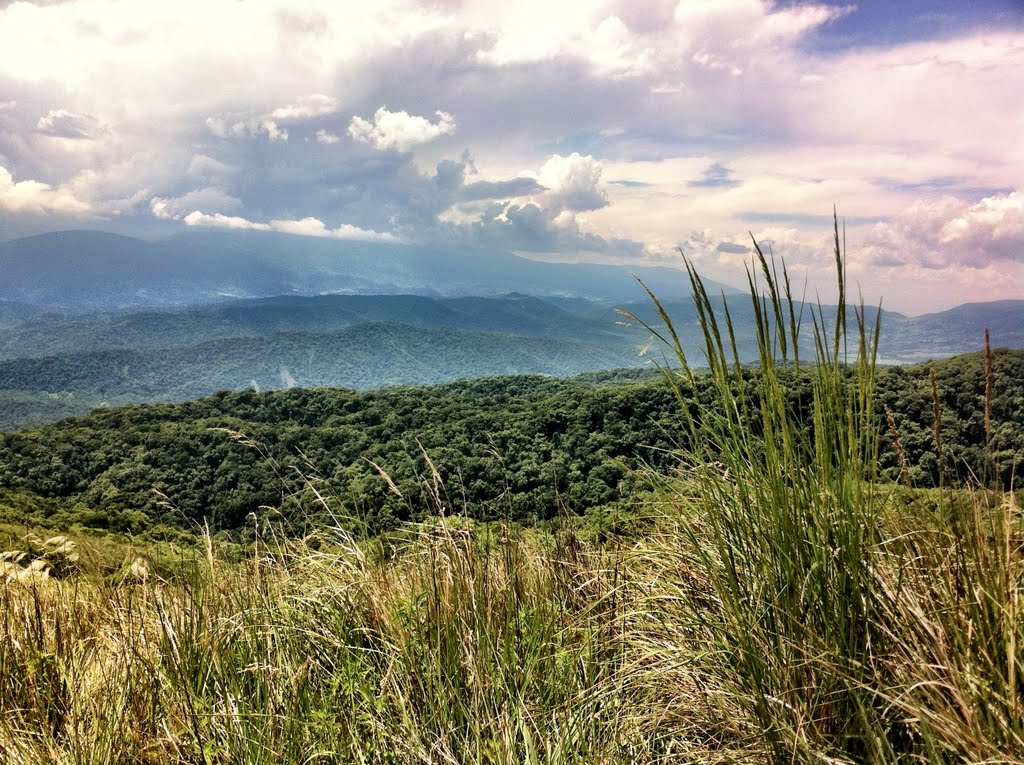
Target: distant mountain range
point(78, 271)
point(949, 333)
point(49, 334)
point(902, 339)
point(66, 346)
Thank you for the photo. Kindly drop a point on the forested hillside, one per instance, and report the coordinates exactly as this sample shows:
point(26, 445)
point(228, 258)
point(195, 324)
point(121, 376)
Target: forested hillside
point(363, 356)
point(521, 448)
point(54, 365)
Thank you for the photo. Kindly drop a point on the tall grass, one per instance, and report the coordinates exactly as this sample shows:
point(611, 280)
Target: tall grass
point(843, 633)
point(445, 649)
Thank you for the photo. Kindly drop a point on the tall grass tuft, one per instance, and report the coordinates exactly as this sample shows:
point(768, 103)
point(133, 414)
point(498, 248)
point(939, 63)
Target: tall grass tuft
point(835, 629)
point(783, 519)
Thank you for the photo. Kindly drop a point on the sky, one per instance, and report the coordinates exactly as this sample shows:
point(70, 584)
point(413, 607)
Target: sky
point(621, 132)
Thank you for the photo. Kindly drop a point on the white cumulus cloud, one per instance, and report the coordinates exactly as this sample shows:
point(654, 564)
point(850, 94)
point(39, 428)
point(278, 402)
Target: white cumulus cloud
point(316, 227)
point(217, 220)
point(314, 105)
point(323, 136)
point(252, 127)
point(399, 130)
point(206, 167)
point(36, 197)
point(573, 183)
point(304, 227)
point(994, 225)
point(939, 233)
point(208, 198)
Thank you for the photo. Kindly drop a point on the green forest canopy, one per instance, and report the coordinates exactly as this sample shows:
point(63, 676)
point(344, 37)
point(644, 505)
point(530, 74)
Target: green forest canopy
point(521, 448)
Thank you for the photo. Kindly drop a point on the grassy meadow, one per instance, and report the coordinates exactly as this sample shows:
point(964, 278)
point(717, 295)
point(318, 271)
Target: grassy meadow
point(774, 601)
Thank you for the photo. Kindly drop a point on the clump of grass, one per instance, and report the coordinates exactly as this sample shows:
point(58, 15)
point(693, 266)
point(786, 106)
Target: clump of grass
point(784, 519)
point(39, 559)
point(834, 633)
point(955, 628)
